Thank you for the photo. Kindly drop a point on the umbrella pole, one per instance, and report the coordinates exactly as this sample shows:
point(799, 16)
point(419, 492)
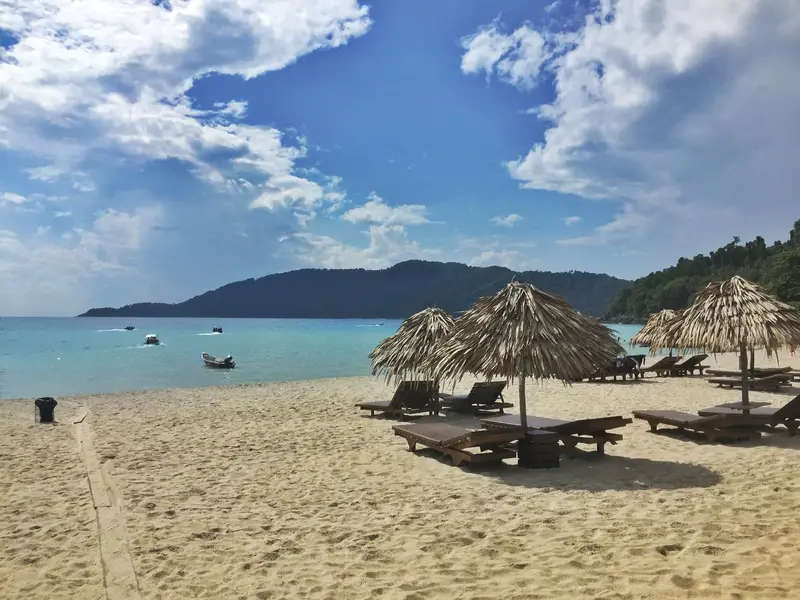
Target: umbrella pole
point(745, 373)
point(752, 361)
point(523, 409)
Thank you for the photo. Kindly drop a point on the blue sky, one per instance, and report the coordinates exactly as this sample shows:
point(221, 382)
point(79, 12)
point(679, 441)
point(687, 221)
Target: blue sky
point(152, 151)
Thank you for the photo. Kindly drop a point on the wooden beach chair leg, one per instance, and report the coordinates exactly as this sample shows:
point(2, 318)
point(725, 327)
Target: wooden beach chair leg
point(570, 445)
point(791, 426)
point(653, 426)
point(412, 445)
point(601, 446)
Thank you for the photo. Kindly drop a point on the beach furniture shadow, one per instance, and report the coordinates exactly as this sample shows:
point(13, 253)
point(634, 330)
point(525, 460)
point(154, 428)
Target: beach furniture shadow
point(610, 473)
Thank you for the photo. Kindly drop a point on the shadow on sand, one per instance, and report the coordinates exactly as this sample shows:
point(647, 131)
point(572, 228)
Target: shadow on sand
point(773, 438)
point(597, 473)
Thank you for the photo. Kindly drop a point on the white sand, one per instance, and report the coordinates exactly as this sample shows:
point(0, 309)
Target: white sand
point(285, 491)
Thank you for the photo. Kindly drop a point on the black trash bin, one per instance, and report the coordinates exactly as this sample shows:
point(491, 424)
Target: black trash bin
point(46, 409)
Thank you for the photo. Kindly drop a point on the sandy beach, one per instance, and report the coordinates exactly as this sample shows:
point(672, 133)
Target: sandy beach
point(286, 491)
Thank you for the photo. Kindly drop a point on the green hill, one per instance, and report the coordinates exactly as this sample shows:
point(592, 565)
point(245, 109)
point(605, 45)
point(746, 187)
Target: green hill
point(776, 267)
point(395, 292)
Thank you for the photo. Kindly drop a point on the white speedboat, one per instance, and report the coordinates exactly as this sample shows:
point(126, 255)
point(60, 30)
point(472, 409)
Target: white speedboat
point(151, 339)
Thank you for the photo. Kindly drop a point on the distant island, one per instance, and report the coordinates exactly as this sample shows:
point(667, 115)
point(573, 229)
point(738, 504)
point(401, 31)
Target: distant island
point(775, 267)
point(396, 292)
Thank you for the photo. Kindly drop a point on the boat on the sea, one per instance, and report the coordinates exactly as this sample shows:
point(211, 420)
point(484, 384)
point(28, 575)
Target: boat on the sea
point(216, 330)
point(129, 328)
point(151, 339)
point(218, 363)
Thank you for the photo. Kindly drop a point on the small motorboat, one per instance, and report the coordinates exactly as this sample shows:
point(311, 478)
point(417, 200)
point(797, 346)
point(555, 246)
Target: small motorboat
point(218, 363)
point(216, 330)
point(151, 339)
point(129, 328)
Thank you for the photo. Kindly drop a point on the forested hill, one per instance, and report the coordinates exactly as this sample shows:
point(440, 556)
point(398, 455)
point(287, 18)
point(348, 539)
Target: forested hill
point(776, 267)
point(396, 292)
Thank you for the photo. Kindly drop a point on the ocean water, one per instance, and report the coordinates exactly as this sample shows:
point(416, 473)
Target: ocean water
point(63, 356)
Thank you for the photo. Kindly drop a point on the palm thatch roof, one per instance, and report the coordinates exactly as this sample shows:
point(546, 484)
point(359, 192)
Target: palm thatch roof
point(523, 332)
point(655, 325)
point(729, 315)
point(401, 355)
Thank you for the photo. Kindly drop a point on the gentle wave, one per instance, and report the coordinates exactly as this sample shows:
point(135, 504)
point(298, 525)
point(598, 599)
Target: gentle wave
point(106, 330)
point(212, 333)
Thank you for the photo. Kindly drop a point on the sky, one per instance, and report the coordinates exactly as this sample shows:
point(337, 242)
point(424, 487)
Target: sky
point(151, 150)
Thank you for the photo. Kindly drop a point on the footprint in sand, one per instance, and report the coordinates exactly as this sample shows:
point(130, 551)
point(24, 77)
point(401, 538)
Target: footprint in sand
point(668, 549)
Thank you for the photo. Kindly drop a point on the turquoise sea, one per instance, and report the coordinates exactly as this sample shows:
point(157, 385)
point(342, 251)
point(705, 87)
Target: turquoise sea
point(63, 356)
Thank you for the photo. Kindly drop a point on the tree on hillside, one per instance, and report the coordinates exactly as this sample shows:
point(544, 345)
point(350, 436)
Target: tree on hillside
point(776, 267)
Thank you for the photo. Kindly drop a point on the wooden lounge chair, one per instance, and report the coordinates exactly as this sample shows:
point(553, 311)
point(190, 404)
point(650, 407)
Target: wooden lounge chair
point(690, 365)
point(570, 433)
point(411, 397)
point(715, 427)
point(756, 373)
point(484, 396)
point(454, 441)
point(787, 415)
point(795, 374)
point(661, 367)
point(624, 367)
point(770, 382)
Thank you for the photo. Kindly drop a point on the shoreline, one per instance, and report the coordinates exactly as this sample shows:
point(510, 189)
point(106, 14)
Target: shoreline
point(283, 490)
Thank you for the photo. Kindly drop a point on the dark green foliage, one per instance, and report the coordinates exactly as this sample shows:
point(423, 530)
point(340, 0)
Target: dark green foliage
point(396, 292)
point(775, 267)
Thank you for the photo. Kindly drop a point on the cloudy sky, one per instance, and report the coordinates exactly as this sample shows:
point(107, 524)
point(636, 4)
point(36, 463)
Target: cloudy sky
point(154, 149)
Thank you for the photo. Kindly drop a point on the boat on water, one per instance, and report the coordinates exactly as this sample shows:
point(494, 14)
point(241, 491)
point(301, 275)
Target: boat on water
point(151, 339)
point(129, 328)
point(216, 330)
point(218, 363)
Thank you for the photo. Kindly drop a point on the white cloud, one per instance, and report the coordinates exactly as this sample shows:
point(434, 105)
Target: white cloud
point(622, 225)
point(35, 271)
point(507, 221)
point(12, 198)
point(29, 203)
point(388, 244)
point(680, 111)
point(515, 58)
point(116, 77)
point(572, 220)
point(497, 250)
point(515, 260)
point(378, 212)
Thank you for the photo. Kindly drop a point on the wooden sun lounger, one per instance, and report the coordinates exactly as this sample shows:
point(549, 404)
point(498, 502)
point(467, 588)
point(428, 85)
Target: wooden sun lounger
point(787, 415)
point(484, 396)
point(714, 427)
point(756, 373)
point(690, 365)
point(770, 382)
point(661, 367)
point(795, 374)
point(570, 433)
point(454, 441)
point(411, 397)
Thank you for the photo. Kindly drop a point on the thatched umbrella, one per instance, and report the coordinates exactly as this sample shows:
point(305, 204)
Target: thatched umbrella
point(656, 323)
point(733, 316)
point(522, 332)
point(401, 355)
